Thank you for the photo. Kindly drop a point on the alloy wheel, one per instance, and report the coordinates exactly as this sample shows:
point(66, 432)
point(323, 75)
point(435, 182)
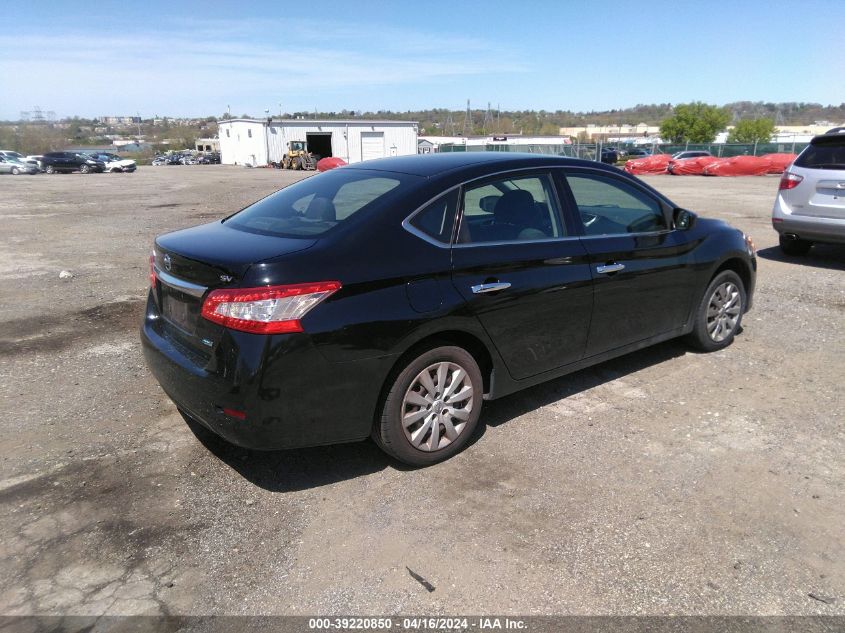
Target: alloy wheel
point(436, 406)
point(723, 311)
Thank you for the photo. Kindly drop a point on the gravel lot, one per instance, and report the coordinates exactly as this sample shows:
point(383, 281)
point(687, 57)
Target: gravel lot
point(663, 482)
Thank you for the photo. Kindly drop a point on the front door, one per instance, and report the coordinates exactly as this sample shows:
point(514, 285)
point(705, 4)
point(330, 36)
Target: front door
point(522, 273)
point(641, 267)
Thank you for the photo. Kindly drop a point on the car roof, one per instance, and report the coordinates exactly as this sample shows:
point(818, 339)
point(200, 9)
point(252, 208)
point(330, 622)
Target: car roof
point(428, 165)
point(836, 136)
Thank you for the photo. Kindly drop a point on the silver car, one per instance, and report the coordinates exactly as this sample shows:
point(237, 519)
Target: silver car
point(810, 205)
point(14, 166)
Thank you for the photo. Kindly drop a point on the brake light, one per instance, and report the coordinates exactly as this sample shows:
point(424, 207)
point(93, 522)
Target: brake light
point(153, 270)
point(267, 310)
point(789, 181)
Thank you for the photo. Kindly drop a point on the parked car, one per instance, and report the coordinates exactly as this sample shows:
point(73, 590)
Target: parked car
point(211, 158)
point(13, 166)
point(35, 158)
point(159, 160)
point(686, 154)
point(18, 156)
point(609, 156)
point(810, 203)
point(638, 152)
point(392, 298)
point(114, 163)
point(55, 162)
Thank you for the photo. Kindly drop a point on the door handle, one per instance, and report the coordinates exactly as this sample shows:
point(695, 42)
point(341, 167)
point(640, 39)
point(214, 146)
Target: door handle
point(606, 269)
point(481, 289)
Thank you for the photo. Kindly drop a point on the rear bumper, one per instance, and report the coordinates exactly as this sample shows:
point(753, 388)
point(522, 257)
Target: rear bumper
point(290, 394)
point(807, 227)
point(825, 230)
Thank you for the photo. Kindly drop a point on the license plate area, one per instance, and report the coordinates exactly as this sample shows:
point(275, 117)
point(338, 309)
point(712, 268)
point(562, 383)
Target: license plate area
point(180, 313)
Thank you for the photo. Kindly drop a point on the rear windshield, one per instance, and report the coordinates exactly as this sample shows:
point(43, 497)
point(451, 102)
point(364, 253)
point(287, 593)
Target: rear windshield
point(317, 204)
point(824, 155)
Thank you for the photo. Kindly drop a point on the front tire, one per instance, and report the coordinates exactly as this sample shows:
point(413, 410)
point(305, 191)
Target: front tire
point(796, 247)
point(432, 407)
point(84, 169)
point(719, 314)
point(50, 169)
point(15, 171)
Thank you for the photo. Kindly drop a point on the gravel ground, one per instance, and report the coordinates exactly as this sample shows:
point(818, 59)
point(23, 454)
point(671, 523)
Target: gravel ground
point(663, 482)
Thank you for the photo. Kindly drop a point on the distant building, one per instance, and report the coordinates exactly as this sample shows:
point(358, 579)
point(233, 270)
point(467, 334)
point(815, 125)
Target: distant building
point(502, 143)
point(593, 132)
point(208, 145)
point(259, 142)
point(119, 120)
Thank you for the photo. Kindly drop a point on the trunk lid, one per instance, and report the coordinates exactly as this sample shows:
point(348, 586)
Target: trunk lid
point(192, 261)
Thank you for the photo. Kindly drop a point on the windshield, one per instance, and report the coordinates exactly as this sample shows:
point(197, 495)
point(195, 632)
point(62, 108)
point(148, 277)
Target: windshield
point(317, 204)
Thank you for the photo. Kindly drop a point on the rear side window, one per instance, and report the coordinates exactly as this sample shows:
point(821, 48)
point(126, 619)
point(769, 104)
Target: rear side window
point(510, 209)
point(317, 204)
point(437, 219)
point(824, 155)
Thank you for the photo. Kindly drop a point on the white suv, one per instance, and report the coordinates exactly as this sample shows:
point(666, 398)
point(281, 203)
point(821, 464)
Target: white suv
point(810, 205)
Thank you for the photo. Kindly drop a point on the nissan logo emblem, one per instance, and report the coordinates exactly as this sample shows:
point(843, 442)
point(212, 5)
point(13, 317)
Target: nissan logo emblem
point(166, 261)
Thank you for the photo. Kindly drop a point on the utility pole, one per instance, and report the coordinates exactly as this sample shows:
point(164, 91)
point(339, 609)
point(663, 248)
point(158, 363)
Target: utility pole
point(467, 120)
point(488, 120)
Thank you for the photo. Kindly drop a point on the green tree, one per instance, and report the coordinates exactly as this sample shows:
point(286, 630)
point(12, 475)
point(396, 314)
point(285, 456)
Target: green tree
point(694, 123)
point(752, 131)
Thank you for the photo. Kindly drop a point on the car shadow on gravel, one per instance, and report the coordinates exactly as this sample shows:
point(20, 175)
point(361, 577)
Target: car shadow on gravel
point(292, 470)
point(505, 409)
point(827, 256)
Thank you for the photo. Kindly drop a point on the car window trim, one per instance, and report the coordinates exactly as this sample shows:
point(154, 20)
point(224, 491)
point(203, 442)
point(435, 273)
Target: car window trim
point(406, 223)
point(665, 205)
point(459, 211)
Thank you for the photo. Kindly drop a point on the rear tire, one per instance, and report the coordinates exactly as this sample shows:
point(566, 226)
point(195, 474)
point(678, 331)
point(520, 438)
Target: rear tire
point(50, 169)
point(719, 314)
point(796, 247)
point(432, 407)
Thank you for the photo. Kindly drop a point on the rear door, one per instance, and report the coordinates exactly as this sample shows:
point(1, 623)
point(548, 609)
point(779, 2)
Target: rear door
point(641, 266)
point(522, 272)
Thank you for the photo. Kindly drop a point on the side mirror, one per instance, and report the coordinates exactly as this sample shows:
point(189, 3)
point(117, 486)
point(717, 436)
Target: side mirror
point(683, 219)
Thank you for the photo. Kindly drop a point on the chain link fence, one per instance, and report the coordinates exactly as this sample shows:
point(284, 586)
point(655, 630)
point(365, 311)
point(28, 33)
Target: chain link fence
point(592, 151)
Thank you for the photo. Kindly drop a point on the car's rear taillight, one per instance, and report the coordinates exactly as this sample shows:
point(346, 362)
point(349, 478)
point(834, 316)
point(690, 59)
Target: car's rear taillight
point(789, 181)
point(267, 310)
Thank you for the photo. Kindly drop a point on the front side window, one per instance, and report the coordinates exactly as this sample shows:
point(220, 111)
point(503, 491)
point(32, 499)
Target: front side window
point(609, 206)
point(515, 208)
point(316, 205)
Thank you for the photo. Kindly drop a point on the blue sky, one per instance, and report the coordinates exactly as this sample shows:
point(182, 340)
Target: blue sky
point(182, 58)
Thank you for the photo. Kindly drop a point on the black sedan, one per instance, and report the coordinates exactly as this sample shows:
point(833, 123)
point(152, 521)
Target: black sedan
point(64, 162)
point(392, 297)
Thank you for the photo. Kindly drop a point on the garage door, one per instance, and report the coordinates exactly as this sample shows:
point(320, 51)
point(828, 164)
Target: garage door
point(372, 145)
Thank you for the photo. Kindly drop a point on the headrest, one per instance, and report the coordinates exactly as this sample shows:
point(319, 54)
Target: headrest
point(514, 207)
point(321, 209)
